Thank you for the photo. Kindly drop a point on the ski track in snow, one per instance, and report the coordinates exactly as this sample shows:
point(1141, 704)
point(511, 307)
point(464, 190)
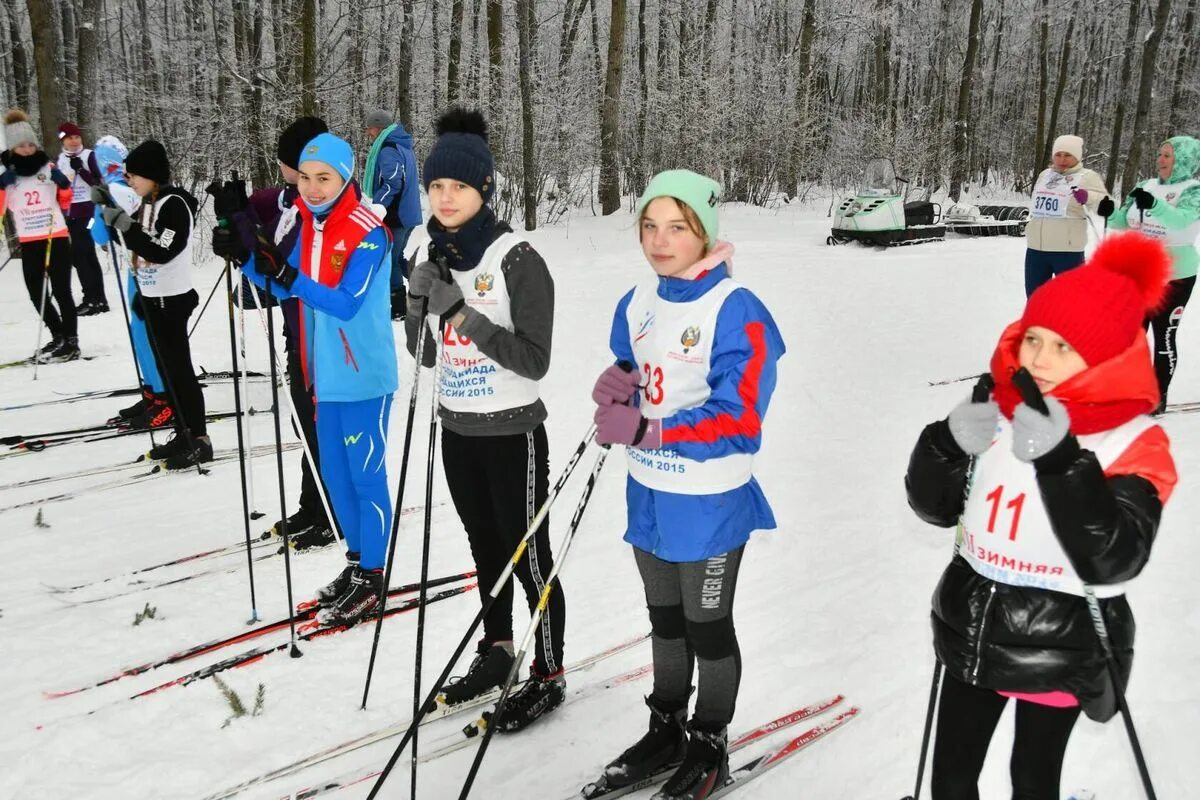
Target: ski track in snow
point(835, 600)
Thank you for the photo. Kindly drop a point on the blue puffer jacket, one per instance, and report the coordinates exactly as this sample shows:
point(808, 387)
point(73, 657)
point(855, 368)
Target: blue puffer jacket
point(687, 527)
point(347, 346)
point(396, 185)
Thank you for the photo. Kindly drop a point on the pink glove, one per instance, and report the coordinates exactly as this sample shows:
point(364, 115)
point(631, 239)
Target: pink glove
point(615, 386)
point(617, 424)
point(1080, 195)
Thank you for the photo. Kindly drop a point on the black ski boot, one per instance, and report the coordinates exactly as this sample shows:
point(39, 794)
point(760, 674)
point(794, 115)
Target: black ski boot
point(488, 671)
point(360, 599)
point(328, 594)
point(662, 748)
point(173, 446)
point(705, 768)
point(135, 410)
point(158, 414)
point(536, 698)
point(47, 349)
point(306, 530)
point(68, 350)
point(189, 455)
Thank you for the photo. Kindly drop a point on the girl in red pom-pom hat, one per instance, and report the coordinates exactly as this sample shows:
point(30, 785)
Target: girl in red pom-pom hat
point(1049, 506)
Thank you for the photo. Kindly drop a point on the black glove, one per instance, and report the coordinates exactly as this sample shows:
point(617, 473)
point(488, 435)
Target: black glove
point(229, 197)
point(7, 178)
point(76, 163)
point(269, 261)
point(227, 244)
point(1142, 199)
point(136, 306)
point(1106, 207)
point(59, 179)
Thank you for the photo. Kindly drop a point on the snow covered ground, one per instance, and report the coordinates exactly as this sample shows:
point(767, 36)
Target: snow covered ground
point(835, 600)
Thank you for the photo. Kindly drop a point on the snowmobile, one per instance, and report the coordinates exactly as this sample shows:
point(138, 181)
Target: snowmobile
point(989, 220)
point(881, 215)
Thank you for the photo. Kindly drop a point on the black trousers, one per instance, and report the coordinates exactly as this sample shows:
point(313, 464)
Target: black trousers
point(302, 399)
point(83, 254)
point(498, 483)
point(1164, 326)
point(62, 320)
point(967, 717)
point(167, 323)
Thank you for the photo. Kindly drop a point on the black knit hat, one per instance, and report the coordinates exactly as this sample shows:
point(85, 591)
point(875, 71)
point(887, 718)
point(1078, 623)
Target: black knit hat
point(149, 160)
point(461, 152)
point(295, 136)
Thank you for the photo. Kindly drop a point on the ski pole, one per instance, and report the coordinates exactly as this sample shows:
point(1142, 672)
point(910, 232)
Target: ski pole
point(531, 631)
point(1034, 399)
point(979, 394)
point(37, 348)
point(206, 302)
point(137, 368)
point(420, 648)
point(287, 542)
point(237, 406)
point(391, 556)
point(929, 714)
point(486, 606)
point(254, 514)
point(1114, 673)
point(294, 415)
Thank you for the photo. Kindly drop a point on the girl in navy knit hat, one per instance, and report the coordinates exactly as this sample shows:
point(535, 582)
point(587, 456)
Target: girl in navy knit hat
point(496, 297)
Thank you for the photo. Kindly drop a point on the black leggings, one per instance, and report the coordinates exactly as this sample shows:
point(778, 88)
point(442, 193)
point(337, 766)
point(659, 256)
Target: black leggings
point(167, 323)
point(691, 619)
point(60, 321)
point(967, 717)
point(83, 253)
point(1163, 327)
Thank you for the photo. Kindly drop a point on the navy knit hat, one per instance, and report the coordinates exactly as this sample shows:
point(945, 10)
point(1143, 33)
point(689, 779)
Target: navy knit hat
point(461, 152)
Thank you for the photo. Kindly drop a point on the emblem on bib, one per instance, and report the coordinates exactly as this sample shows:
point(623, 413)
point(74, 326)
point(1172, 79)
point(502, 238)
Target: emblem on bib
point(1170, 197)
point(690, 338)
point(483, 283)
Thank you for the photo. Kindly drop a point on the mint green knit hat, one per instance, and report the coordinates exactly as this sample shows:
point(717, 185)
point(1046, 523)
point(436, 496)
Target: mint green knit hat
point(700, 192)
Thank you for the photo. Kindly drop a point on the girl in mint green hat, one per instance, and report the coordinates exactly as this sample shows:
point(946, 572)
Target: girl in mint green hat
point(1168, 208)
point(690, 416)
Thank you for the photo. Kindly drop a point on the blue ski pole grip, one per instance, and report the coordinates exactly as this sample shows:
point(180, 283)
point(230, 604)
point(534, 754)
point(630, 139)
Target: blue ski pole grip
point(983, 388)
point(1030, 393)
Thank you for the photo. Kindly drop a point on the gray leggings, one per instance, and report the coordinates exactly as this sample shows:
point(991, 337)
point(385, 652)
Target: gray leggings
point(691, 619)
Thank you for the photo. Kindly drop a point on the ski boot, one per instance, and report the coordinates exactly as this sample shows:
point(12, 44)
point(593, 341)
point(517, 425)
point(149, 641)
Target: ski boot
point(537, 697)
point(67, 351)
point(161, 452)
point(47, 350)
point(662, 748)
point(306, 530)
point(190, 456)
point(328, 594)
point(488, 671)
point(157, 414)
point(705, 768)
point(135, 410)
point(360, 599)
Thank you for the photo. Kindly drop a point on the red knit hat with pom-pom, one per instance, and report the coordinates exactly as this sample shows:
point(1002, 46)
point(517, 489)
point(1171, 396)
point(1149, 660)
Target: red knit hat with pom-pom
point(1100, 307)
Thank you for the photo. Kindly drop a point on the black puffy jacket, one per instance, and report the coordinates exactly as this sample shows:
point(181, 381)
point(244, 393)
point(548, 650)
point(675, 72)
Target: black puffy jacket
point(1025, 639)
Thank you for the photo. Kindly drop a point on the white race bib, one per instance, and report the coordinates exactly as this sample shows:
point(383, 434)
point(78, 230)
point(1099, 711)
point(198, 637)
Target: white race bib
point(1051, 195)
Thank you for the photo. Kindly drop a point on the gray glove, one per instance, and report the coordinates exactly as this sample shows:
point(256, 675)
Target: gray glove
point(1035, 434)
point(423, 276)
point(100, 195)
point(973, 425)
point(116, 218)
point(445, 299)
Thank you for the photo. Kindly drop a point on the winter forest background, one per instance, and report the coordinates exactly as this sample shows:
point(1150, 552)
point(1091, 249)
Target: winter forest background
point(586, 98)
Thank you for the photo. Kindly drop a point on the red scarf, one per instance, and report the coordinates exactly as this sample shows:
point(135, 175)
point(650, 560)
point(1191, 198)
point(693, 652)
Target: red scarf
point(1098, 399)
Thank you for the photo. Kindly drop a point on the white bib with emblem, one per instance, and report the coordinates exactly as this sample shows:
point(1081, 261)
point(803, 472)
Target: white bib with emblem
point(1006, 534)
point(471, 381)
point(174, 277)
point(1051, 195)
point(1149, 225)
point(33, 199)
point(81, 192)
point(672, 343)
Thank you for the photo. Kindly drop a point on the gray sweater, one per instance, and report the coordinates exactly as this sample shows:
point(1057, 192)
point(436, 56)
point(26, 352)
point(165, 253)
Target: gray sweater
point(525, 350)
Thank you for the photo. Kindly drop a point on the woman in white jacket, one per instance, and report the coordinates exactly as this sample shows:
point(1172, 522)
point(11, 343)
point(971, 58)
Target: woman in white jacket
point(1057, 229)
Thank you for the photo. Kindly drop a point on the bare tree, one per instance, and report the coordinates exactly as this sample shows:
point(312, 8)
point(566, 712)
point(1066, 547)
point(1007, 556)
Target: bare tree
point(961, 121)
point(610, 178)
point(1141, 117)
point(48, 59)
